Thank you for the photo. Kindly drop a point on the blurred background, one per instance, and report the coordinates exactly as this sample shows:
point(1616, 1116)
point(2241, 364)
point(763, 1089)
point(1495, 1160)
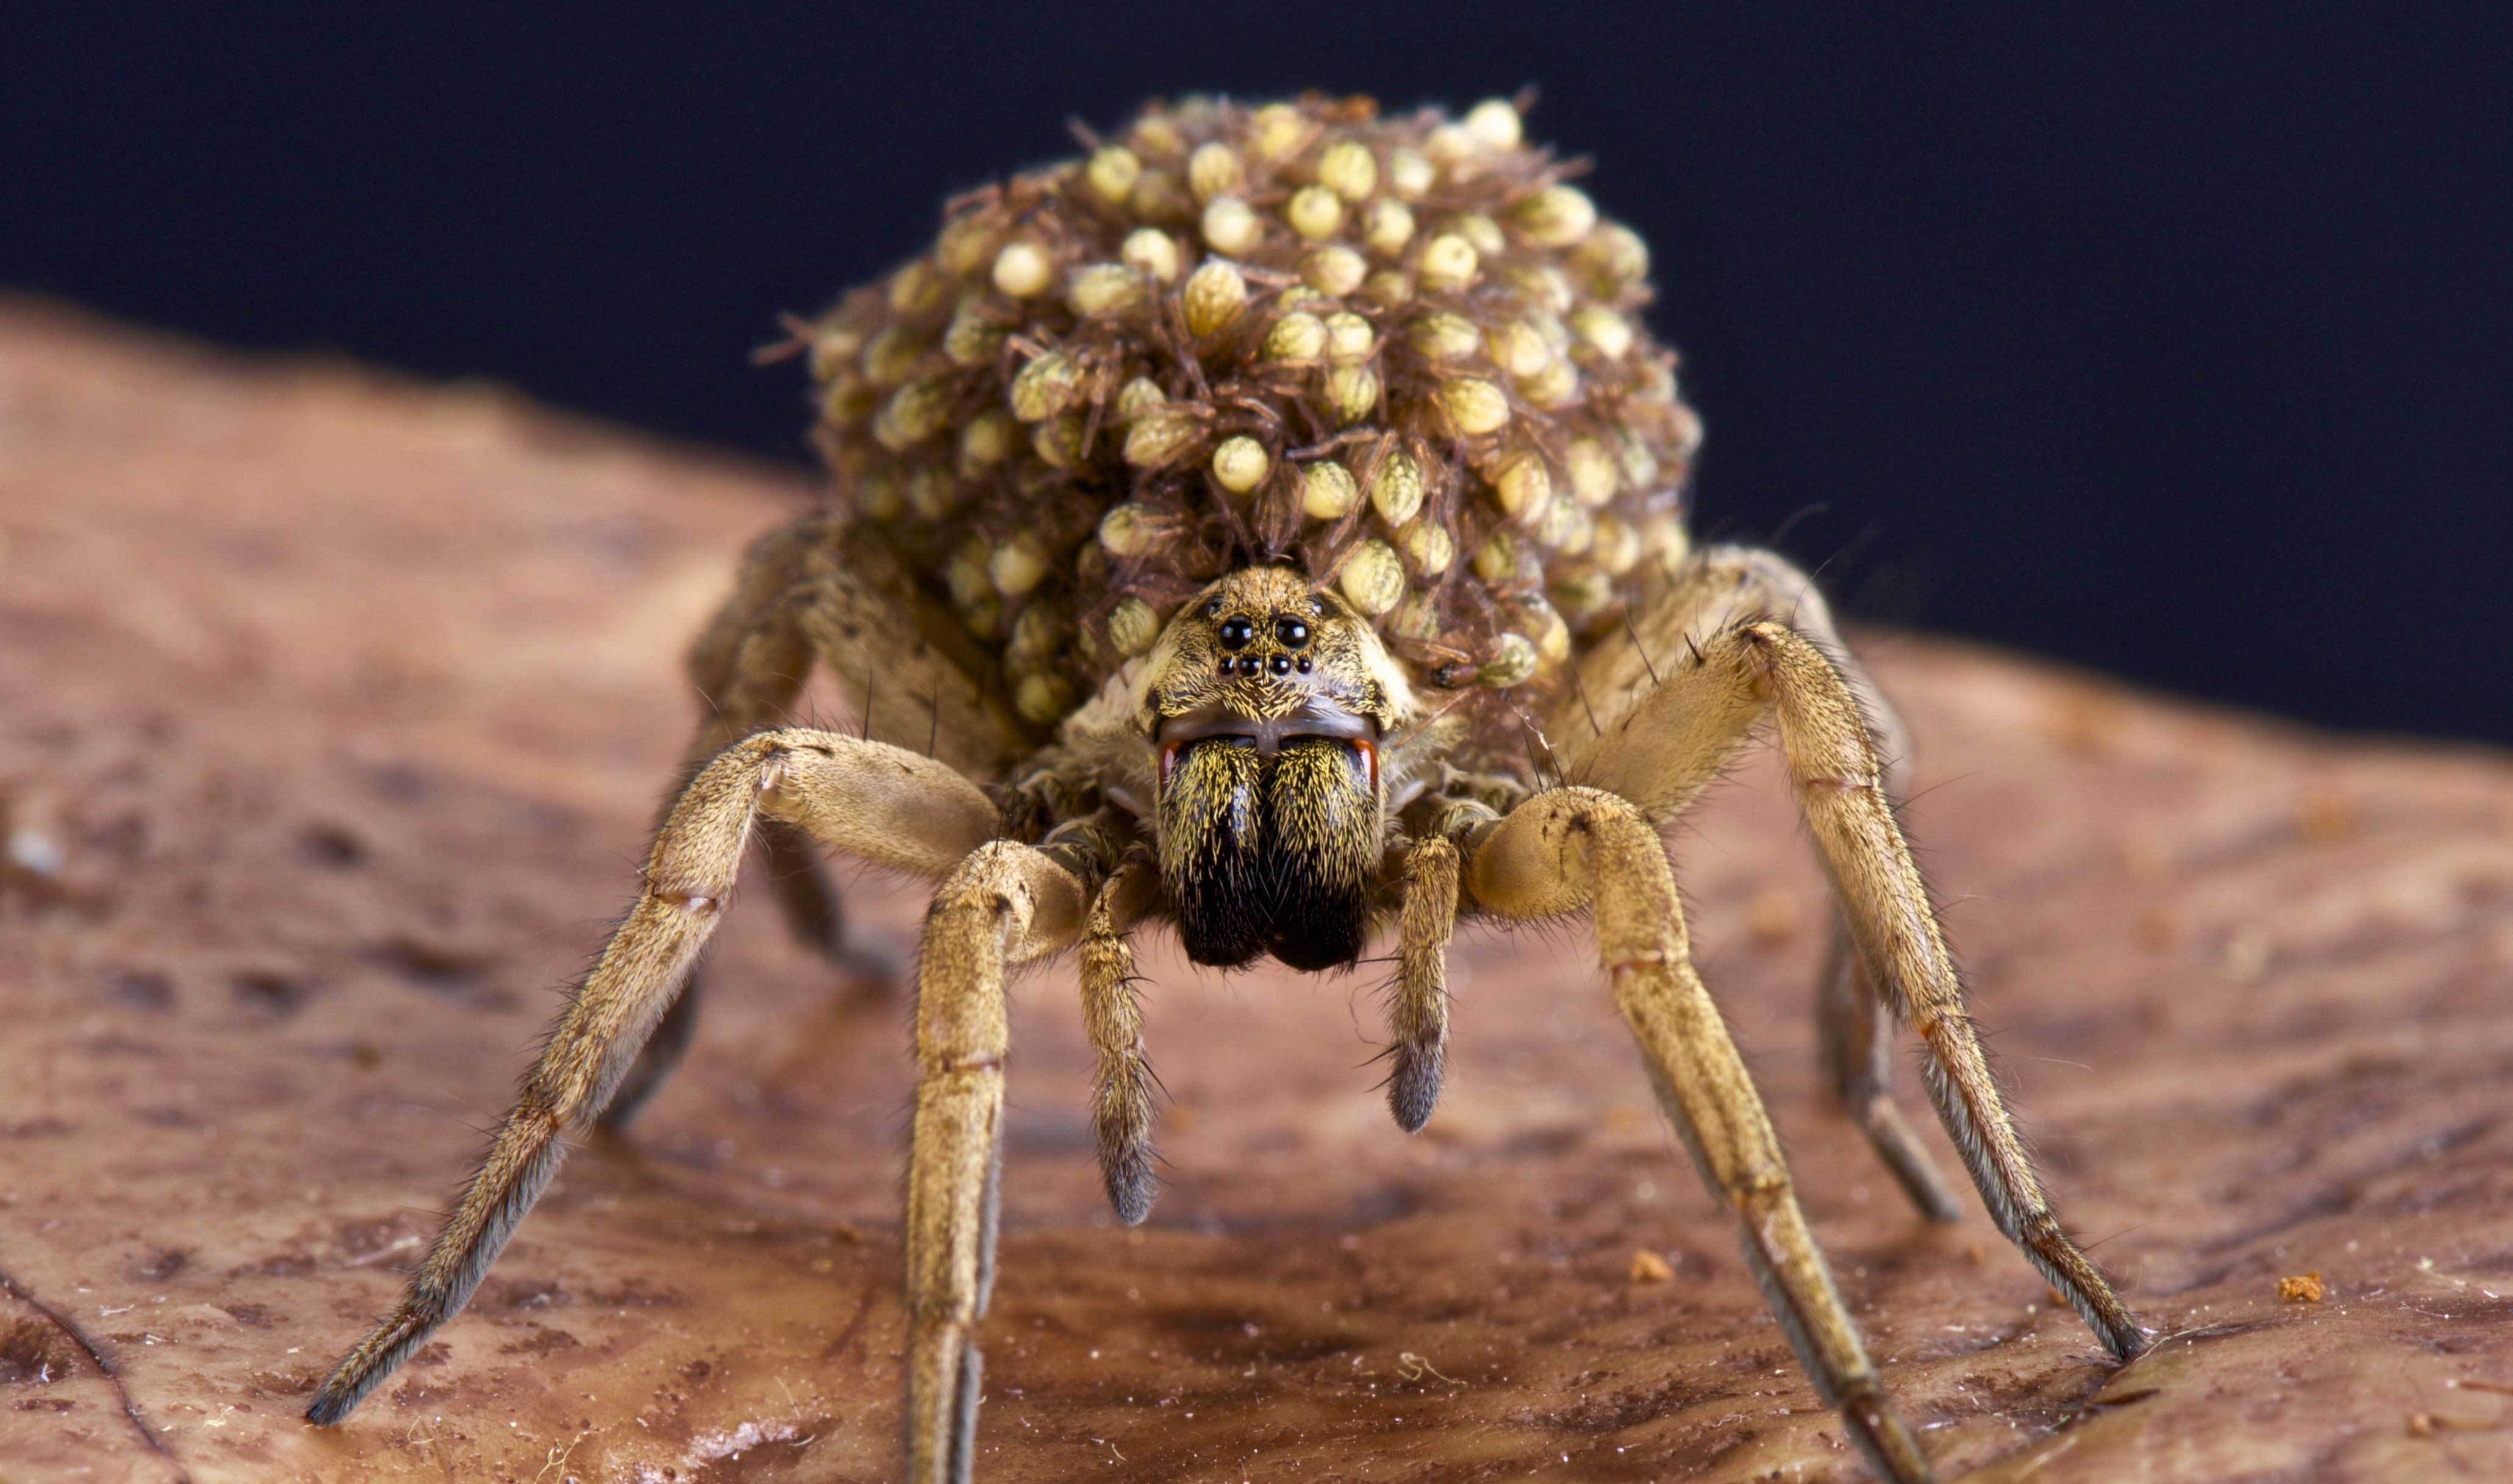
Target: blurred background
point(2176, 343)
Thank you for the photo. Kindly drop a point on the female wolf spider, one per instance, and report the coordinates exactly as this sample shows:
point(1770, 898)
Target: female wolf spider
point(1271, 782)
point(1258, 690)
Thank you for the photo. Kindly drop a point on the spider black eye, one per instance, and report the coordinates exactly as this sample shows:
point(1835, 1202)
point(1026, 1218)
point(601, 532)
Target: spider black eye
point(1248, 664)
point(1304, 664)
point(1237, 632)
point(1282, 664)
point(1291, 633)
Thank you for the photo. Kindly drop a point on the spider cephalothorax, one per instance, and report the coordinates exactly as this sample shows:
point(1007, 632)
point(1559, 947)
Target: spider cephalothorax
point(1338, 584)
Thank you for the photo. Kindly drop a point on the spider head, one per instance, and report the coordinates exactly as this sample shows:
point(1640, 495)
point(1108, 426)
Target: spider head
point(1267, 699)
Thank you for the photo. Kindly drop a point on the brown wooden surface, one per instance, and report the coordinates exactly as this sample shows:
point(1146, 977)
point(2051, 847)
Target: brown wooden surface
point(345, 703)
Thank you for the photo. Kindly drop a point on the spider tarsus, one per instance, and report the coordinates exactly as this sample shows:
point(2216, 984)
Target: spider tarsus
point(1413, 1086)
point(1131, 1188)
point(345, 1389)
point(1898, 1149)
point(964, 1414)
point(1126, 1172)
point(2126, 1342)
point(328, 1408)
point(1891, 1449)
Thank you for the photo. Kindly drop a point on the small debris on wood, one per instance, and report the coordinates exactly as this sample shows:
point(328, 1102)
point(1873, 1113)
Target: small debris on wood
point(1412, 1367)
point(2429, 1424)
point(33, 852)
point(1649, 1267)
point(2301, 1290)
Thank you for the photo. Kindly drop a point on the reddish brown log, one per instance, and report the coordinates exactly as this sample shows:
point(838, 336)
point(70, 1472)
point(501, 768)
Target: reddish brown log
point(332, 710)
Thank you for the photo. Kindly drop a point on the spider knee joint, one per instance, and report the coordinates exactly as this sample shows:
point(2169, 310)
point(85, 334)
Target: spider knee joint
point(974, 1061)
point(695, 904)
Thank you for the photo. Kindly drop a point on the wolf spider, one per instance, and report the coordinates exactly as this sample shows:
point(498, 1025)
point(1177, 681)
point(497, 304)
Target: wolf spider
point(1269, 782)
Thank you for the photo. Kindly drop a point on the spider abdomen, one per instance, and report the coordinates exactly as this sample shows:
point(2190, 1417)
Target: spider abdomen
point(1401, 352)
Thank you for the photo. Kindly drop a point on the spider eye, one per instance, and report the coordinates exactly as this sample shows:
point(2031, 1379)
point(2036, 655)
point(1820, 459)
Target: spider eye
point(1291, 633)
point(1211, 605)
point(1237, 633)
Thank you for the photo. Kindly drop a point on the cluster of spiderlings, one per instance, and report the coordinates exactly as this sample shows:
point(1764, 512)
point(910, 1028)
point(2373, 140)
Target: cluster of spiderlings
point(1401, 351)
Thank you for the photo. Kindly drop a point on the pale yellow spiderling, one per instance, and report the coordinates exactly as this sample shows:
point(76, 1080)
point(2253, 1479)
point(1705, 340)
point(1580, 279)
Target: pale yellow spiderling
point(1023, 270)
point(1447, 261)
point(1240, 464)
point(1349, 168)
point(1215, 296)
point(1327, 490)
point(1373, 576)
point(1149, 249)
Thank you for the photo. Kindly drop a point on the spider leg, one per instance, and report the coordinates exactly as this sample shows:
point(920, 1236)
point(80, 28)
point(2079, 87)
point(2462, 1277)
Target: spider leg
point(1674, 737)
point(1418, 1005)
point(1841, 791)
point(892, 807)
point(750, 663)
point(1720, 588)
point(1855, 1031)
point(656, 1060)
point(1005, 905)
point(1574, 847)
point(1120, 1081)
point(796, 604)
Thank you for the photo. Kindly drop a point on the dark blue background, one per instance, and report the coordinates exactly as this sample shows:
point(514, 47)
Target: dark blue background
point(2175, 342)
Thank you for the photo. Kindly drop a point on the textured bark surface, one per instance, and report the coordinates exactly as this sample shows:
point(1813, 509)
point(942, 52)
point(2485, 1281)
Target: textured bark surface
point(332, 714)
